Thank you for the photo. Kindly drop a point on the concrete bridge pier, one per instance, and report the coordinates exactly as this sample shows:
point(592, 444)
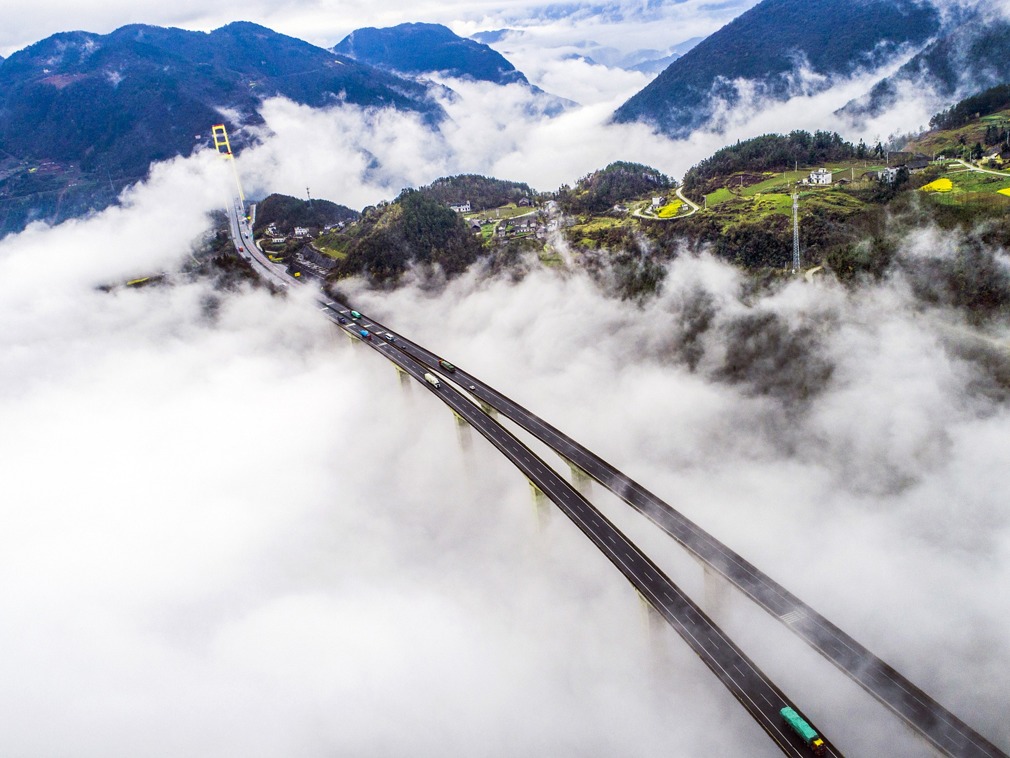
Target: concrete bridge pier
point(542, 506)
point(581, 481)
point(715, 592)
point(655, 624)
point(657, 631)
point(463, 432)
point(406, 380)
point(487, 409)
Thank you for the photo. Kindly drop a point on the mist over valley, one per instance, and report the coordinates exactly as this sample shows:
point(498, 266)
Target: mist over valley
point(231, 527)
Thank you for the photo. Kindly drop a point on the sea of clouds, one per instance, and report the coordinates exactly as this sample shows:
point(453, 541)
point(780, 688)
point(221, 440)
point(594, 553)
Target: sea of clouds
point(228, 530)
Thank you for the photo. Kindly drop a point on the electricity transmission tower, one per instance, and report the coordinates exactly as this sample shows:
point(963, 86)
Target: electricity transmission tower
point(796, 232)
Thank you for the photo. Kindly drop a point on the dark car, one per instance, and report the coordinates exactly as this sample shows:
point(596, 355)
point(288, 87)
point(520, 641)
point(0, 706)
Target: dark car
point(446, 365)
point(341, 319)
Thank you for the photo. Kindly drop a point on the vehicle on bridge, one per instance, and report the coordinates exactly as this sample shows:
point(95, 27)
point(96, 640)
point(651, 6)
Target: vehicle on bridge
point(355, 315)
point(806, 732)
point(364, 334)
point(432, 380)
point(388, 337)
point(446, 365)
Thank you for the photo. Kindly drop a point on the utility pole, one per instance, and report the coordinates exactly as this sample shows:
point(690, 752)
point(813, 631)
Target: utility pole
point(308, 195)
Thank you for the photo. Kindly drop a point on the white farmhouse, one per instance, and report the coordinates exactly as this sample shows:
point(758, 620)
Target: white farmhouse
point(821, 176)
point(463, 208)
point(888, 175)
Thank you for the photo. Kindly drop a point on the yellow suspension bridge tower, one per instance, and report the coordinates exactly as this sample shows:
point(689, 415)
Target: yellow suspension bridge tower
point(223, 147)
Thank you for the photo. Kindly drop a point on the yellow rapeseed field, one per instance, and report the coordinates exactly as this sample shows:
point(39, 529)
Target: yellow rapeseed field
point(671, 210)
point(940, 185)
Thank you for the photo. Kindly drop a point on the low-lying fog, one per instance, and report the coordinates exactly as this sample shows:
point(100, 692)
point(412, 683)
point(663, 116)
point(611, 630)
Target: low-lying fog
point(228, 531)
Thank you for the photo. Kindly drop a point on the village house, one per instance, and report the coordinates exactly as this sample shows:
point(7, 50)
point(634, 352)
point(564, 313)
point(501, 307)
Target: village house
point(301, 231)
point(820, 177)
point(525, 225)
point(888, 175)
point(462, 208)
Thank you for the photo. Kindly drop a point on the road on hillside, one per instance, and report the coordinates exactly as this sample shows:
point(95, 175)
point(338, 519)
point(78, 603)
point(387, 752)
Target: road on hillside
point(683, 198)
point(981, 170)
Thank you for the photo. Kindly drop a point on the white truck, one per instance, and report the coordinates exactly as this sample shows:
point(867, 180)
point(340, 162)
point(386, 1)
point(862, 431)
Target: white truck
point(432, 380)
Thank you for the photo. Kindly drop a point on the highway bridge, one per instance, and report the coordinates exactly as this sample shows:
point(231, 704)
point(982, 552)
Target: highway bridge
point(762, 699)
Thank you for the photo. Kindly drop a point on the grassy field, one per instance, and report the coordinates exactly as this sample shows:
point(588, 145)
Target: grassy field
point(956, 141)
point(784, 182)
point(506, 211)
point(333, 252)
point(968, 187)
point(549, 257)
point(596, 224)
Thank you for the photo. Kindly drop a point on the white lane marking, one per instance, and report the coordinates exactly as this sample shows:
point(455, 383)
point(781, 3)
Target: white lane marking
point(793, 616)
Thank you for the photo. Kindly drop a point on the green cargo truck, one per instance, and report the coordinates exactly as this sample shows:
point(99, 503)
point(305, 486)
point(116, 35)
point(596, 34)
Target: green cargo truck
point(804, 730)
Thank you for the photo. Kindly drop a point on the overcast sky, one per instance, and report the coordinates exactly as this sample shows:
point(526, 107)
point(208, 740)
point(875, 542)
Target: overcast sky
point(625, 25)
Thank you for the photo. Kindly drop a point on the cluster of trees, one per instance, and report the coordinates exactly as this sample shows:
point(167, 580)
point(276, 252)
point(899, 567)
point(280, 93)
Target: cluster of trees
point(995, 134)
point(482, 192)
point(287, 212)
point(771, 152)
point(619, 182)
point(415, 228)
point(984, 103)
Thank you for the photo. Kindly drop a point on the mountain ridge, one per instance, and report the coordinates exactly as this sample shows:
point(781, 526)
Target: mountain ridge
point(766, 45)
point(972, 56)
point(419, 48)
point(107, 106)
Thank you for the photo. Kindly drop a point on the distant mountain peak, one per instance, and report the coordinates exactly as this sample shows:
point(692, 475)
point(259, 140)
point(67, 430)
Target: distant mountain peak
point(420, 48)
point(101, 108)
point(972, 56)
point(763, 47)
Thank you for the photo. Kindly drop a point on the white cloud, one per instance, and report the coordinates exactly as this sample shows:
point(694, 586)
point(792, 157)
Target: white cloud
point(878, 503)
point(230, 531)
point(358, 157)
point(326, 22)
